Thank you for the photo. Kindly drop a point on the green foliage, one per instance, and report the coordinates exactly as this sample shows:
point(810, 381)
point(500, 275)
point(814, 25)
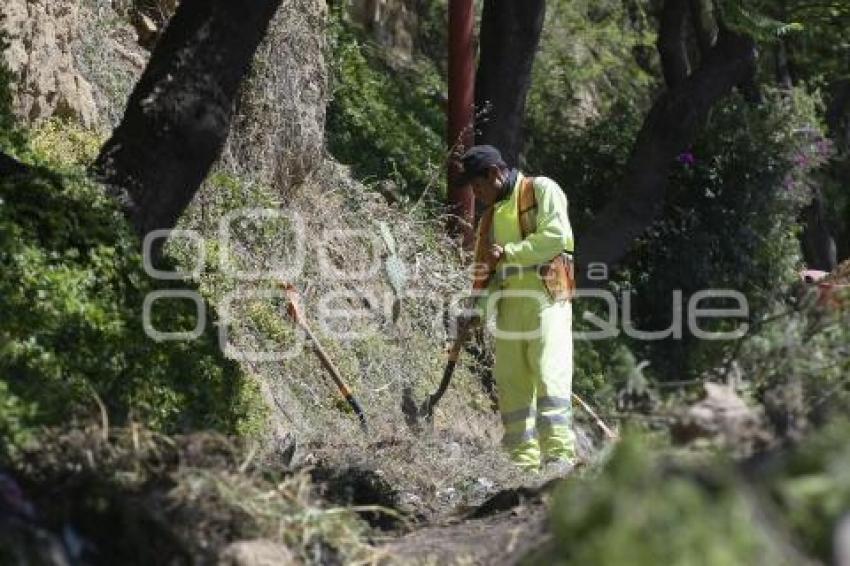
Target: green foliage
point(817, 42)
point(432, 35)
point(598, 371)
point(588, 160)
point(71, 298)
point(646, 508)
point(813, 488)
point(64, 143)
point(591, 80)
point(15, 417)
point(384, 121)
point(641, 511)
point(730, 221)
point(797, 363)
point(751, 20)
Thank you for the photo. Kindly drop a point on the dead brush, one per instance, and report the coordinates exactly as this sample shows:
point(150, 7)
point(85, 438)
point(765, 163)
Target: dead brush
point(193, 494)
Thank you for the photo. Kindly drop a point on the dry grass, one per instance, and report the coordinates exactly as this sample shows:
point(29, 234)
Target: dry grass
point(274, 159)
point(432, 471)
point(188, 497)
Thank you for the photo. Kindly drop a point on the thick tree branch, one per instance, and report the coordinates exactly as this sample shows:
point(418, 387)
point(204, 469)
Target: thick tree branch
point(510, 33)
point(783, 69)
point(704, 24)
point(819, 249)
point(179, 114)
point(669, 128)
point(9, 166)
point(672, 44)
point(838, 114)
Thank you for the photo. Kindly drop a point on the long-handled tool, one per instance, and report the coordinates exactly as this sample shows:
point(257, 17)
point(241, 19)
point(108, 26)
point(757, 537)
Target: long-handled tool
point(464, 331)
point(606, 430)
point(293, 307)
point(414, 412)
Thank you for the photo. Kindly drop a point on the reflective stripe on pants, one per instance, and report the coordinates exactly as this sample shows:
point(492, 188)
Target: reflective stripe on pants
point(534, 379)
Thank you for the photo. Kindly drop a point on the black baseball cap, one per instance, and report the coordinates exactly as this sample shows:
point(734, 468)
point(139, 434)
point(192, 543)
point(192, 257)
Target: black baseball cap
point(477, 160)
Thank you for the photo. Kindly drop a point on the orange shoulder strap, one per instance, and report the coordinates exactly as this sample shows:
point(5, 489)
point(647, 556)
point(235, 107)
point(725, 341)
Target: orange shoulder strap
point(527, 207)
point(481, 275)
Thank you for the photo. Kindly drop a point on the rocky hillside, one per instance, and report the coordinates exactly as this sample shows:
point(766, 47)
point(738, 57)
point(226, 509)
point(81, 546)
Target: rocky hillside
point(224, 449)
point(73, 64)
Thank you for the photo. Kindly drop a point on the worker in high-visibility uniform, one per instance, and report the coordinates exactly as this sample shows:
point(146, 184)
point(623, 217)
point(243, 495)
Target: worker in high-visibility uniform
point(524, 230)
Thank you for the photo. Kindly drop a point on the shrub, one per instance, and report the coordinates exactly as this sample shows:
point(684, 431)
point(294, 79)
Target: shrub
point(587, 98)
point(71, 333)
point(384, 120)
point(812, 488)
point(650, 507)
point(730, 221)
point(64, 143)
point(796, 361)
point(643, 510)
point(72, 289)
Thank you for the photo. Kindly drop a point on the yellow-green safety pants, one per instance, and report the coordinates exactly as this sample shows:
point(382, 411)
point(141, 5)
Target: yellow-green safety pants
point(533, 372)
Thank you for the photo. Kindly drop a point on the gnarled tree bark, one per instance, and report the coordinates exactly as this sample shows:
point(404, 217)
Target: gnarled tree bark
point(510, 34)
point(179, 113)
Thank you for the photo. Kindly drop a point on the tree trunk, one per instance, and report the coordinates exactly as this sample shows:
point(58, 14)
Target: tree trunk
point(179, 113)
point(704, 24)
point(460, 126)
point(838, 114)
point(783, 70)
point(672, 44)
point(9, 166)
point(819, 250)
point(669, 128)
point(510, 34)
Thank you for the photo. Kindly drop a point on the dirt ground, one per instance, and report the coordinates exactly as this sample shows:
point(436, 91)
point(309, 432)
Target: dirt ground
point(502, 538)
point(476, 509)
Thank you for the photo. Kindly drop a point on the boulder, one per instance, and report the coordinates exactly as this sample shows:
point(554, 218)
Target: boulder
point(392, 23)
point(277, 134)
point(723, 417)
point(256, 553)
point(47, 82)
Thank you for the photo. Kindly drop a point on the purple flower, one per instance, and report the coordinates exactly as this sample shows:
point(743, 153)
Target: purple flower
point(686, 158)
point(801, 160)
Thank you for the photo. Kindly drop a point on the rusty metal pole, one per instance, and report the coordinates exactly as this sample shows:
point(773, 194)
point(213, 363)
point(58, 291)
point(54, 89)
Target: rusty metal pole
point(461, 113)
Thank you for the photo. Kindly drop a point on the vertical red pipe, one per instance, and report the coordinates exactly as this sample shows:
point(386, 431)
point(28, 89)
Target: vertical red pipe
point(461, 112)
